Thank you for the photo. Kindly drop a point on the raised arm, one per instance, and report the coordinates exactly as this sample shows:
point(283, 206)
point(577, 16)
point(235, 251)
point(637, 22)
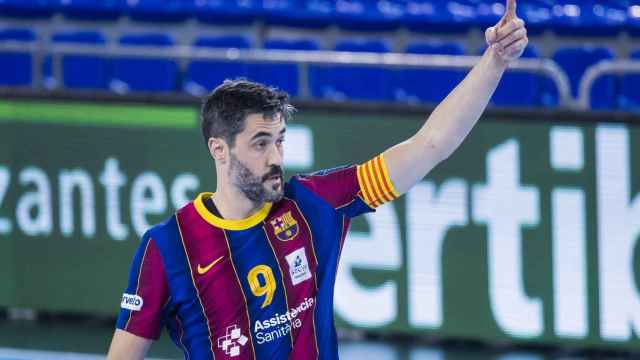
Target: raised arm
point(451, 121)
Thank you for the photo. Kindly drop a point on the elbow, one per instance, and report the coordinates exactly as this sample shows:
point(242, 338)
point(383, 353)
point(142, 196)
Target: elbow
point(437, 147)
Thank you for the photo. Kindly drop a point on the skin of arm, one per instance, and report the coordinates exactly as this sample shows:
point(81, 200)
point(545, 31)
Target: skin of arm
point(126, 346)
point(452, 120)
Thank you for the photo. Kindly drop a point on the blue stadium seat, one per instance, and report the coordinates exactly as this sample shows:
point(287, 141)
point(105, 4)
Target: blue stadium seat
point(226, 11)
point(282, 76)
point(158, 10)
point(591, 18)
point(344, 82)
point(520, 88)
point(537, 14)
point(144, 74)
point(19, 63)
point(299, 13)
point(633, 19)
point(575, 60)
point(26, 8)
point(427, 85)
point(91, 9)
point(79, 71)
point(204, 75)
point(439, 16)
point(366, 15)
point(629, 94)
point(488, 12)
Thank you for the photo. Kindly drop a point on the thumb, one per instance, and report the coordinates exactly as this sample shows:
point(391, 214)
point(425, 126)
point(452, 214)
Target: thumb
point(511, 8)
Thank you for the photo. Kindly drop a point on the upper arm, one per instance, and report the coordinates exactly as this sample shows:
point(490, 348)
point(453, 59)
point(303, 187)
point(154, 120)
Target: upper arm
point(353, 190)
point(410, 161)
point(127, 346)
point(147, 293)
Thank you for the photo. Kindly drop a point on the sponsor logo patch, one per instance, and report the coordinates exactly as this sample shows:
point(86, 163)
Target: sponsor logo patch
point(232, 342)
point(298, 266)
point(131, 302)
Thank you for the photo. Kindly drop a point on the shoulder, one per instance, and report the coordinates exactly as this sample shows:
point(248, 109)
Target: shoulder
point(325, 172)
point(332, 179)
point(165, 232)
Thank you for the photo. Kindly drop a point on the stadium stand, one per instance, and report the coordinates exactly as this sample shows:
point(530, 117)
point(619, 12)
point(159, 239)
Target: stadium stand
point(27, 8)
point(629, 94)
point(157, 10)
point(79, 71)
point(225, 11)
point(284, 76)
point(426, 85)
point(575, 60)
point(522, 88)
point(340, 83)
point(412, 26)
point(92, 10)
point(298, 13)
point(143, 74)
point(204, 75)
point(20, 62)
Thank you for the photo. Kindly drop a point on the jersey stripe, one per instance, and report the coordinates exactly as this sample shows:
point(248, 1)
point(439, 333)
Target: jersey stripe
point(388, 195)
point(226, 314)
point(198, 295)
point(375, 183)
point(380, 195)
point(387, 178)
point(144, 255)
point(281, 282)
point(195, 336)
point(187, 356)
point(301, 294)
point(244, 297)
point(250, 251)
point(364, 186)
point(315, 277)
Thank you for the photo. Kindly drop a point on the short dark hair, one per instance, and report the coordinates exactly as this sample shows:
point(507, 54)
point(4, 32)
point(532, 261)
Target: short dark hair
point(226, 108)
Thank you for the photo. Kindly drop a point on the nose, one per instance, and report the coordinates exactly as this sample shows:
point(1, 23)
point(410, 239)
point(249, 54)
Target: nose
point(276, 156)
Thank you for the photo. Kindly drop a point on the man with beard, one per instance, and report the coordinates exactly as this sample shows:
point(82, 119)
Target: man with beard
point(248, 271)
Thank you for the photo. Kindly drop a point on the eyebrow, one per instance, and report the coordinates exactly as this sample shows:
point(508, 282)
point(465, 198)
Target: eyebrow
point(266, 134)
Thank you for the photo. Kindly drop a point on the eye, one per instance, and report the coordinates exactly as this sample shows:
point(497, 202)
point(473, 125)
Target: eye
point(260, 144)
point(279, 142)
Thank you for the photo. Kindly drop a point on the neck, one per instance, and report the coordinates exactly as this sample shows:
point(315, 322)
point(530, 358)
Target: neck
point(232, 204)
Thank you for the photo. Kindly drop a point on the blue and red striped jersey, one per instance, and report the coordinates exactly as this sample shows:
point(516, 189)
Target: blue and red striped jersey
point(256, 288)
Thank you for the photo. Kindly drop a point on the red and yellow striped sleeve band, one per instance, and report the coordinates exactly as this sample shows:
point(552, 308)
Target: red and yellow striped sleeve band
point(375, 185)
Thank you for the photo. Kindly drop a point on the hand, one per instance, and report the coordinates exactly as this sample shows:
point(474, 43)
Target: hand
point(508, 38)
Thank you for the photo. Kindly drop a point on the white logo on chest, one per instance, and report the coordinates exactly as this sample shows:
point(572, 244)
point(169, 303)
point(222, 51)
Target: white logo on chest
point(298, 266)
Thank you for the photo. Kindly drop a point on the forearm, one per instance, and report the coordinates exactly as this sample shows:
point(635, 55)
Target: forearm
point(447, 126)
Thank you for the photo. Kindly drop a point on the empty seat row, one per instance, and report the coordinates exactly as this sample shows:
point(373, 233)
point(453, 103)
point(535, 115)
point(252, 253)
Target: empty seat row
point(334, 82)
point(589, 17)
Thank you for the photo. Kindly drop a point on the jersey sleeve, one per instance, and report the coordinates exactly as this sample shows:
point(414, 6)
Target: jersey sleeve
point(147, 293)
point(353, 190)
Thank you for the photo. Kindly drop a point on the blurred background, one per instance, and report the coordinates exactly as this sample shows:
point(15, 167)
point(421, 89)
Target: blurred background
point(521, 246)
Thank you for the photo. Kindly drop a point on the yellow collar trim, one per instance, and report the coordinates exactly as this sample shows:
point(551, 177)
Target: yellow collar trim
point(228, 224)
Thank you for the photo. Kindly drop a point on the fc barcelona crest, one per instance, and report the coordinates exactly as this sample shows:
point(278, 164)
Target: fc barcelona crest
point(285, 226)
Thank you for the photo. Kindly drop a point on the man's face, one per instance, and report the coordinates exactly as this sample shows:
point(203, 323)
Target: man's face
point(255, 162)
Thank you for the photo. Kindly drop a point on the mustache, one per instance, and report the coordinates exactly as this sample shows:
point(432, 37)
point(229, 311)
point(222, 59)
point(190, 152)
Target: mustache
point(273, 171)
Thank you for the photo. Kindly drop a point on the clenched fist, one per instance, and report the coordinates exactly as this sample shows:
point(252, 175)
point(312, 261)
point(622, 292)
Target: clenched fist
point(508, 38)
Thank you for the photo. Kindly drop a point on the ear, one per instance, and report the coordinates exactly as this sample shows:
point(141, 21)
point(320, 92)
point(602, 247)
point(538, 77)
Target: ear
point(218, 149)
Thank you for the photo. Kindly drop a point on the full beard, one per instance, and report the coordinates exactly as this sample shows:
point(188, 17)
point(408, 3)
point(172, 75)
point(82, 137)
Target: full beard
point(258, 189)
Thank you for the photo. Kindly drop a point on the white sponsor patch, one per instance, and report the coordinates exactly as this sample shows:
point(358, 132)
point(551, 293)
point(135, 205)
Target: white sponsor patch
point(233, 341)
point(131, 302)
point(298, 266)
